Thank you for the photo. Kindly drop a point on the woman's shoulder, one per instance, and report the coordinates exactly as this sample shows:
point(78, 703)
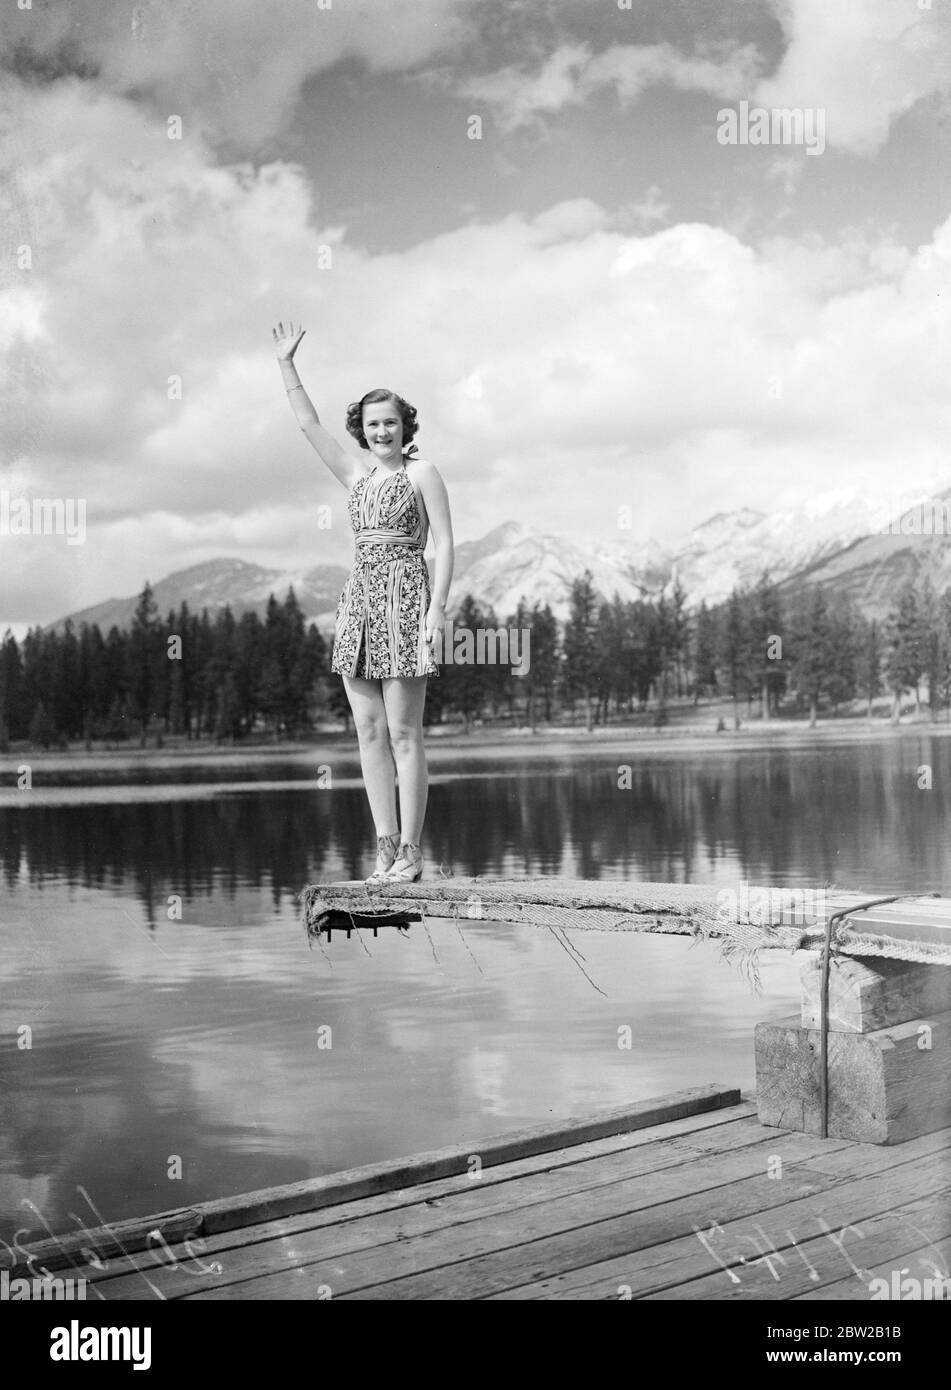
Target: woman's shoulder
point(419, 467)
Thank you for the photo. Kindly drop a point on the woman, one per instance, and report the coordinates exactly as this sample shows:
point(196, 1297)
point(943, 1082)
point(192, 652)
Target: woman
point(387, 620)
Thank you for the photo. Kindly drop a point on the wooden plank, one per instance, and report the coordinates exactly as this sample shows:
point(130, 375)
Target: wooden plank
point(910, 910)
point(72, 1249)
point(740, 1119)
point(869, 993)
point(927, 1265)
point(902, 924)
point(470, 1201)
point(681, 1255)
point(737, 1262)
point(884, 1087)
point(775, 1268)
point(506, 1236)
point(482, 1272)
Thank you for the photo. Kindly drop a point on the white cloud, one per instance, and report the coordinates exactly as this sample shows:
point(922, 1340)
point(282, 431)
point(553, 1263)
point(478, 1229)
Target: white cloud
point(864, 62)
point(573, 74)
point(650, 210)
point(234, 67)
point(517, 96)
point(560, 364)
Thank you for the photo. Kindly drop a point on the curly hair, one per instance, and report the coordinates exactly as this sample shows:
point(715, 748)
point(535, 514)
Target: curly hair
point(406, 411)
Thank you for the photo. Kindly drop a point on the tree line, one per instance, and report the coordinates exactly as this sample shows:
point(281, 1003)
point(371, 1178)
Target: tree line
point(770, 651)
point(764, 650)
point(186, 674)
point(225, 678)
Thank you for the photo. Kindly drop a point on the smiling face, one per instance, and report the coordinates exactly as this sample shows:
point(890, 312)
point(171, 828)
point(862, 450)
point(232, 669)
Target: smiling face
point(383, 430)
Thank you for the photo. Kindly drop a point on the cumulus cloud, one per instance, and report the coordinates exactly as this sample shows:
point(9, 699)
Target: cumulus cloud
point(865, 64)
point(235, 67)
point(561, 363)
point(573, 74)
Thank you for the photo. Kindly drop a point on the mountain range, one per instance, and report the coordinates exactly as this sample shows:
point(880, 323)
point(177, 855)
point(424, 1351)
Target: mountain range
point(843, 541)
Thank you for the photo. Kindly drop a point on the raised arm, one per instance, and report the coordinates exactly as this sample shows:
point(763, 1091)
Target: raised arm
point(344, 465)
point(436, 501)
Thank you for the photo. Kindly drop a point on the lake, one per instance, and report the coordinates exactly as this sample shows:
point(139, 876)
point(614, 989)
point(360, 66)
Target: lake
point(177, 1060)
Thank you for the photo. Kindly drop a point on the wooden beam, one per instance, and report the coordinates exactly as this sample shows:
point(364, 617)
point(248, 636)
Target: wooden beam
point(884, 1086)
point(872, 992)
point(73, 1249)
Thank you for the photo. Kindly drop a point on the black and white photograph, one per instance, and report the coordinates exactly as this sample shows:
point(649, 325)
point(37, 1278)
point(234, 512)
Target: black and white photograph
point(475, 663)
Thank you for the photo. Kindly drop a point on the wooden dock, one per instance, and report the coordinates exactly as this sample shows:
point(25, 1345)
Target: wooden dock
point(688, 1197)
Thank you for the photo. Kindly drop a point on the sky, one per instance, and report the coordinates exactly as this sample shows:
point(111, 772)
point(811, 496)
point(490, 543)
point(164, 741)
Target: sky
point(524, 217)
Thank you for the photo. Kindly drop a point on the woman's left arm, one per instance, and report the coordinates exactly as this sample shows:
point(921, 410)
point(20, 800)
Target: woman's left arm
point(436, 501)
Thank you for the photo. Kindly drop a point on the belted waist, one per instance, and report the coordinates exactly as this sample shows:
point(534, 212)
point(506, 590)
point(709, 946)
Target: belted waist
point(381, 536)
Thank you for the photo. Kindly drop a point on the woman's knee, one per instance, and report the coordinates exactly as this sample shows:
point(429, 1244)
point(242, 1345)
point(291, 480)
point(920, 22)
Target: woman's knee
point(406, 739)
point(371, 728)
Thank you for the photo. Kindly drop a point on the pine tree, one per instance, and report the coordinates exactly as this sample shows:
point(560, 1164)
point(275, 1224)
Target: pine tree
point(176, 700)
point(467, 682)
point(678, 635)
point(644, 649)
point(42, 729)
point(272, 688)
point(932, 647)
point(11, 687)
point(704, 653)
point(606, 664)
point(736, 661)
point(580, 644)
point(868, 664)
point(768, 659)
point(228, 716)
point(248, 667)
point(905, 656)
point(844, 642)
point(144, 655)
point(813, 650)
point(94, 680)
point(543, 669)
point(118, 718)
point(66, 693)
point(662, 641)
point(37, 677)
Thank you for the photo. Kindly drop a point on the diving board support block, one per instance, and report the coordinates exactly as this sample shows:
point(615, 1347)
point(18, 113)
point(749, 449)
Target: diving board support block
point(871, 992)
point(885, 1085)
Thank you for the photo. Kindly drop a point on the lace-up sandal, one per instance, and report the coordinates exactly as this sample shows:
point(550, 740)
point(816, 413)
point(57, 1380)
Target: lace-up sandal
point(408, 864)
point(386, 847)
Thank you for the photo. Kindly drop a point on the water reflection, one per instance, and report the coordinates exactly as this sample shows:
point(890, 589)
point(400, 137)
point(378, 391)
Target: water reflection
point(155, 1035)
point(854, 816)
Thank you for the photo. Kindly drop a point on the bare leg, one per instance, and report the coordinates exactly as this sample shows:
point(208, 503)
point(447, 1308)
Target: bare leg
point(404, 699)
point(376, 755)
